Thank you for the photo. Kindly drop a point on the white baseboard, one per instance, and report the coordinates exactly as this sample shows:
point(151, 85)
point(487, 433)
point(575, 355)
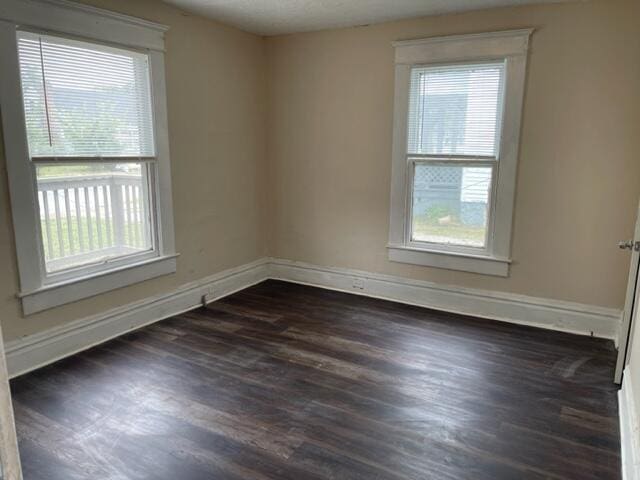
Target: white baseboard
point(31, 352)
point(520, 309)
point(629, 430)
point(34, 351)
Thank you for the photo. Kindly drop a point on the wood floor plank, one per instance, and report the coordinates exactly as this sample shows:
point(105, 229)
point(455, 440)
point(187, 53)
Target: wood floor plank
point(288, 382)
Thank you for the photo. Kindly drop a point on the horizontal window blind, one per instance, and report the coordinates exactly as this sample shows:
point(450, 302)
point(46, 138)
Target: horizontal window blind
point(83, 99)
point(456, 110)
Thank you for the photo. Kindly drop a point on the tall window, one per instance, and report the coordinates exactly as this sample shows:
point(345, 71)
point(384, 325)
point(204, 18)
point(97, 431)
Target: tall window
point(90, 135)
point(455, 115)
point(85, 129)
point(457, 119)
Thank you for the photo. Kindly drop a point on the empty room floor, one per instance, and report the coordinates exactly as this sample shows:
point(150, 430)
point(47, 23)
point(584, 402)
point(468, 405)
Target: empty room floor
point(282, 381)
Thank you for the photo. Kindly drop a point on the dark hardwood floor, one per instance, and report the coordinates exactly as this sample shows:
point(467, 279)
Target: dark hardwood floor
point(283, 381)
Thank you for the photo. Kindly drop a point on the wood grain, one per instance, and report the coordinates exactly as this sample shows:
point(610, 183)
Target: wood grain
point(282, 381)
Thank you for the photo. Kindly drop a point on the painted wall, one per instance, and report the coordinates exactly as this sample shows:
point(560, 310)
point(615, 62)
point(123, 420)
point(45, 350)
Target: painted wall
point(282, 146)
point(216, 103)
point(330, 132)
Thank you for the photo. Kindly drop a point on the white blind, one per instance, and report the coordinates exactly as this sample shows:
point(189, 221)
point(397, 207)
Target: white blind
point(456, 109)
point(83, 99)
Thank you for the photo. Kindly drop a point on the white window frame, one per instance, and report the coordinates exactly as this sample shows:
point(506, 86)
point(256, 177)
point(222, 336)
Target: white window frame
point(39, 291)
point(508, 46)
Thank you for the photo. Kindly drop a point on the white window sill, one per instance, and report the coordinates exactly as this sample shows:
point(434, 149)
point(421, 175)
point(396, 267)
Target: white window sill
point(53, 295)
point(450, 260)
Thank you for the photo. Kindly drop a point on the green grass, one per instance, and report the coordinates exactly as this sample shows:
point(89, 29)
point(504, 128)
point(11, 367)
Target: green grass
point(81, 232)
point(48, 171)
point(455, 232)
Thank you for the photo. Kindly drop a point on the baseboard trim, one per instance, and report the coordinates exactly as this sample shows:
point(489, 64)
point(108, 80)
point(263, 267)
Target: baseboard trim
point(525, 310)
point(34, 351)
point(629, 430)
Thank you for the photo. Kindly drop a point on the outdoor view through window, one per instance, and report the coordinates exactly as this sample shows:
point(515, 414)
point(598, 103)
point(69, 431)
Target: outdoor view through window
point(453, 136)
point(90, 134)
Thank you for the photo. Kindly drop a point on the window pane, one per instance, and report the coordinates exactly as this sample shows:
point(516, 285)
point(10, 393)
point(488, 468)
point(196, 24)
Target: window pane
point(84, 99)
point(451, 205)
point(92, 213)
point(455, 109)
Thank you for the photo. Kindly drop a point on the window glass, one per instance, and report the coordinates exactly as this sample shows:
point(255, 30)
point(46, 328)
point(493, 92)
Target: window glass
point(92, 213)
point(84, 100)
point(455, 110)
point(451, 204)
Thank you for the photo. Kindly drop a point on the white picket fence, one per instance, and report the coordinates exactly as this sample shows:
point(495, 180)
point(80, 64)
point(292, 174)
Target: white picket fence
point(92, 216)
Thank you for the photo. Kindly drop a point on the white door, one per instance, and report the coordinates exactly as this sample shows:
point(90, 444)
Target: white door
point(632, 301)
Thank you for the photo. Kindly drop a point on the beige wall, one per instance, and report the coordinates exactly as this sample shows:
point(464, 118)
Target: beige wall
point(289, 139)
point(330, 122)
point(217, 107)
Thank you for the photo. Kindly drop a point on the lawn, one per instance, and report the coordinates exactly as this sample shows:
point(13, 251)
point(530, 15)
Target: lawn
point(454, 232)
point(81, 236)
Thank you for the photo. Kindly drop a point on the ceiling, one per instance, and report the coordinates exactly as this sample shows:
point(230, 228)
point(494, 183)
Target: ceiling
point(274, 17)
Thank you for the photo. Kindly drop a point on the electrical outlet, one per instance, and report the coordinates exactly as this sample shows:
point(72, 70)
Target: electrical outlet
point(358, 283)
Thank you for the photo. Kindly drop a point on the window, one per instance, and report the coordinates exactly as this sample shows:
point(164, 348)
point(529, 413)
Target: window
point(457, 119)
point(453, 140)
point(85, 129)
point(84, 103)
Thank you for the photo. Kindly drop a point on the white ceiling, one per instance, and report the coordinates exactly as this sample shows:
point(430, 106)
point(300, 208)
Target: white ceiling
point(274, 17)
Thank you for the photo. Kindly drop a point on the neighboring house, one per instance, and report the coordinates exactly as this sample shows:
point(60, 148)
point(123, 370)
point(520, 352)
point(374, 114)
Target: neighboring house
point(445, 193)
point(440, 192)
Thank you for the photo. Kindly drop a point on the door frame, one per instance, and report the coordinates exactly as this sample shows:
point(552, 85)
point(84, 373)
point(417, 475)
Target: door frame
point(9, 456)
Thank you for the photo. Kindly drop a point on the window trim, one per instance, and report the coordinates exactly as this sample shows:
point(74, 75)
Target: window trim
point(509, 46)
point(61, 17)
